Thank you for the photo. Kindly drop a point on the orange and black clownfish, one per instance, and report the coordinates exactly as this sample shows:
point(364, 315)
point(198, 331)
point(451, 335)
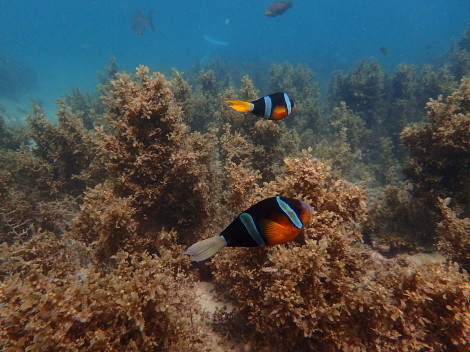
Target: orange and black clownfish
point(275, 106)
point(272, 221)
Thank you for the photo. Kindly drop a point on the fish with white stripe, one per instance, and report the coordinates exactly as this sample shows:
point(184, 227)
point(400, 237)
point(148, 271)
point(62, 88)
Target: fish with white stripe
point(269, 222)
point(275, 106)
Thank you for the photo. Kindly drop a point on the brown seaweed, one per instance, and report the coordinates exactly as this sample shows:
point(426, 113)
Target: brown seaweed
point(439, 162)
point(94, 222)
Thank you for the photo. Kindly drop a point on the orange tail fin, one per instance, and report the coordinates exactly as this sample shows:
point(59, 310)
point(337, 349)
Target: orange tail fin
point(242, 106)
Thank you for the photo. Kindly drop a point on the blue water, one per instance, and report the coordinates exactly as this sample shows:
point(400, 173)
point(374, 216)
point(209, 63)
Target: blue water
point(67, 42)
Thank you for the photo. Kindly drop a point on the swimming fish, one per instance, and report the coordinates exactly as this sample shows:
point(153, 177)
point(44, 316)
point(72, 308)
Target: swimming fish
point(140, 22)
point(278, 8)
point(383, 50)
point(269, 222)
point(275, 106)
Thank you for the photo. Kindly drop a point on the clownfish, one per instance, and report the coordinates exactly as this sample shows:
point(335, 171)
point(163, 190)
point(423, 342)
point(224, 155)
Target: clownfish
point(275, 106)
point(270, 222)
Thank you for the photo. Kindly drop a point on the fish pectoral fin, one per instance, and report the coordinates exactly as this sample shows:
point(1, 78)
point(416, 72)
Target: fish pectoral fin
point(273, 232)
point(241, 106)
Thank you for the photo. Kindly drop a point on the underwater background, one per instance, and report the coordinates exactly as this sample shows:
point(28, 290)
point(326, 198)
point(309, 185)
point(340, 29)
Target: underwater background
point(63, 44)
point(118, 150)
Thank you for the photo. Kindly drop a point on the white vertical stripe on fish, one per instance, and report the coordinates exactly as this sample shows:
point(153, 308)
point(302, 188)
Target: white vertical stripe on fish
point(291, 214)
point(267, 107)
point(288, 103)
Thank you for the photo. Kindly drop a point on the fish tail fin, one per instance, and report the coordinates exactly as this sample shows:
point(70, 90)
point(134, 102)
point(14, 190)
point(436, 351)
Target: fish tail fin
point(241, 106)
point(150, 20)
point(205, 248)
point(291, 4)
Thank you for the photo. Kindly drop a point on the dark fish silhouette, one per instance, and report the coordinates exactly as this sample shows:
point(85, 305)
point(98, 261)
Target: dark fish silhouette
point(140, 22)
point(383, 50)
point(270, 222)
point(428, 46)
point(278, 8)
point(275, 106)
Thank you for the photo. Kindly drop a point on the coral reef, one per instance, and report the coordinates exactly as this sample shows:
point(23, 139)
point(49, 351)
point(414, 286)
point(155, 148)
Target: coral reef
point(386, 103)
point(11, 137)
point(453, 235)
point(250, 143)
point(97, 209)
point(14, 213)
point(61, 151)
point(327, 292)
point(42, 170)
point(204, 101)
point(343, 148)
point(363, 90)
point(430, 84)
point(85, 105)
point(158, 170)
point(398, 222)
point(299, 83)
point(48, 302)
point(458, 56)
point(439, 164)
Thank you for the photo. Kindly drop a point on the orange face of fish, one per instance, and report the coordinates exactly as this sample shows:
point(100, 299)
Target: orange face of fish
point(280, 112)
point(281, 229)
point(306, 213)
